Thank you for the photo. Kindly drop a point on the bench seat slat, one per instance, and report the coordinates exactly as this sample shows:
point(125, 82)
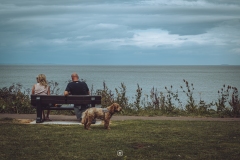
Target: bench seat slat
point(58, 99)
point(60, 108)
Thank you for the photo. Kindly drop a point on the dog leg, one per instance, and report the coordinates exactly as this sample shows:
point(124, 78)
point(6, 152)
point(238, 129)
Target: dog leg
point(106, 124)
point(85, 123)
point(89, 122)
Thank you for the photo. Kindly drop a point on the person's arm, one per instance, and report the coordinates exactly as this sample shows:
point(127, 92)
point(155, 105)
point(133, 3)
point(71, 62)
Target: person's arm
point(33, 89)
point(66, 93)
point(48, 93)
point(88, 91)
point(67, 90)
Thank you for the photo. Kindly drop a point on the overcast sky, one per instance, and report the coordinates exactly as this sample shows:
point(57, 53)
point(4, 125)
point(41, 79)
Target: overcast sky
point(120, 32)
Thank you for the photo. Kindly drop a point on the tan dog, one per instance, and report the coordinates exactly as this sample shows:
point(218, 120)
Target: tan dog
point(101, 113)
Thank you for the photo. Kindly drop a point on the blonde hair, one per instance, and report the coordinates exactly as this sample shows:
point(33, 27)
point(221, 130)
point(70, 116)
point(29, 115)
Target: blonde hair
point(41, 79)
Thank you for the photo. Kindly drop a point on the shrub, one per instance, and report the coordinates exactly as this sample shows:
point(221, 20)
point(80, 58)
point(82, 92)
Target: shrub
point(191, 107)
point(121, 98)
point(235, 103)
point(13, 100)
point(171, 100)
point(228, 94)
point(138, 98)
point(54, 89)
point(107, 96)
point(223, 95)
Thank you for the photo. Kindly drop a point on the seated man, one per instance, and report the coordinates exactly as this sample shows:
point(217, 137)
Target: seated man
point(77, 87)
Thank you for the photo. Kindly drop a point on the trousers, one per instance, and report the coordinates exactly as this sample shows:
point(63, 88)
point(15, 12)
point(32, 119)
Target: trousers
point(79, 110)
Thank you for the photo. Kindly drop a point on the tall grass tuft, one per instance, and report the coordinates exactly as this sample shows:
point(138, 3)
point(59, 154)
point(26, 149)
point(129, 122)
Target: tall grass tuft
point(228, 95)
point(191, 106)
point(121, 98)
point(107, 96)
point(138, 98)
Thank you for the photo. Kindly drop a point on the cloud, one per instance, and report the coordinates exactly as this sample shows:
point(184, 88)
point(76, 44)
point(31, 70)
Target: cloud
point(119, 28)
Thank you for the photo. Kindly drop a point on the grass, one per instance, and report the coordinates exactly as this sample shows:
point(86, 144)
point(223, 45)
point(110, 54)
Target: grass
point(137, 139)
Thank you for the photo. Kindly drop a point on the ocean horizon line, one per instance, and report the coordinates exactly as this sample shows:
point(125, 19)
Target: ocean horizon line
point(16, 64)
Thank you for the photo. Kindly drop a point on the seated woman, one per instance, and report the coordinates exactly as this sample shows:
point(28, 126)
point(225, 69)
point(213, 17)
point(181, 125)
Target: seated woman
point(42, 88)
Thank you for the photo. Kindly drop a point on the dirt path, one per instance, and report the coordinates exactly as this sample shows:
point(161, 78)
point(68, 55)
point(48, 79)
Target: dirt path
point(119, 118)
point(180, 118)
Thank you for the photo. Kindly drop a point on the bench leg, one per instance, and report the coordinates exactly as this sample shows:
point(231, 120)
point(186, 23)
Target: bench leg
point(39, 111)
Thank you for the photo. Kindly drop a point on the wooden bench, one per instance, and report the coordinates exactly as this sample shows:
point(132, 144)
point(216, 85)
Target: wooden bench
point(48, 102)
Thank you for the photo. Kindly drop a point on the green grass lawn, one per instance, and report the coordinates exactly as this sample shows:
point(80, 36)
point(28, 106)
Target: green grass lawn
point(137, 139)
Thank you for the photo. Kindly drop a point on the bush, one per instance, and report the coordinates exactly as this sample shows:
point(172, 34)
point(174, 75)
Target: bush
point(228, 94)
point(13, 100)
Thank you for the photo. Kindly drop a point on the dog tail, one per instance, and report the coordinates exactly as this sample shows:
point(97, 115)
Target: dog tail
point(84, 117)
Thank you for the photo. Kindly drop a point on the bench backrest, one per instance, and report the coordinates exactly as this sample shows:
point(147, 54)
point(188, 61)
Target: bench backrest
point(50, 100)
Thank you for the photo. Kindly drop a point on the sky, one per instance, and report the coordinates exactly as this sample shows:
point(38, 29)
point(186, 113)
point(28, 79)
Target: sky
point(120, 32)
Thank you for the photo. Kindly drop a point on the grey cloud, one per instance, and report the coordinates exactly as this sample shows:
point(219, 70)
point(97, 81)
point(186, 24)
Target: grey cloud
point(228, 2)
point(107, 27)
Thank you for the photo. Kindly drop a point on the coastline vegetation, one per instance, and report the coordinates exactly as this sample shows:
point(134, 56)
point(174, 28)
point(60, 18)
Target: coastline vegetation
point(15, 99)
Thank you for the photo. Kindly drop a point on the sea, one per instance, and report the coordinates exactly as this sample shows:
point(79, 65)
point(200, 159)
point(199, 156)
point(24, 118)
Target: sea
point(206, 80)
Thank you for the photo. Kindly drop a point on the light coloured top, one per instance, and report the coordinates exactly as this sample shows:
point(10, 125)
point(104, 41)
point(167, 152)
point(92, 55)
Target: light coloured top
point(40, 90)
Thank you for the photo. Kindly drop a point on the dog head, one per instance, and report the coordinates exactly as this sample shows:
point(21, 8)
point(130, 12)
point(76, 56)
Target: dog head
point(115, 107)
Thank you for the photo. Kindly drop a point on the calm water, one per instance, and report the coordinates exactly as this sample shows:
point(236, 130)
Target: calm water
point(207, 80)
